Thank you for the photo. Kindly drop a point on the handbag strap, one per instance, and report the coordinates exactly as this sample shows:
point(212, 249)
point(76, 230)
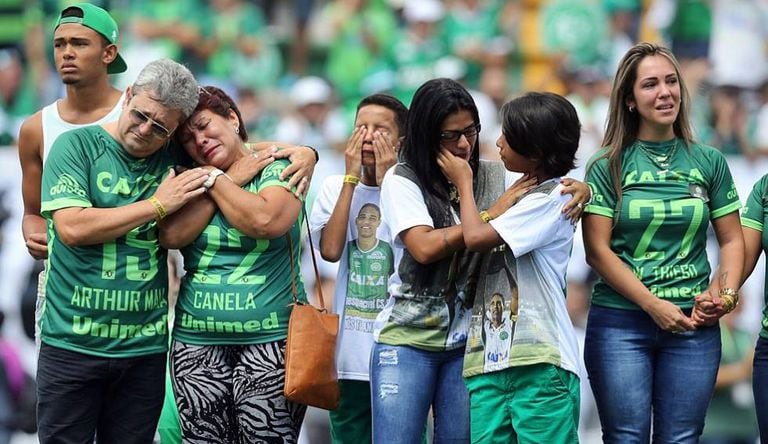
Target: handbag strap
point(319, 287)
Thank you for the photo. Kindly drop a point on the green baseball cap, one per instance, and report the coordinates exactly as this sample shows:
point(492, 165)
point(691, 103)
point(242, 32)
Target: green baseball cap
point(100, 21)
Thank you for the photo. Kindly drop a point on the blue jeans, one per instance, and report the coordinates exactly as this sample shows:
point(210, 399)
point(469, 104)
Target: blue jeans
point(635, 368)
point(406, 382)
point(760, 386)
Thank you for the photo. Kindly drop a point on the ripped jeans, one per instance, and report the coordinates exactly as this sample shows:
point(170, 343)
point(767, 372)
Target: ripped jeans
point(406, 382)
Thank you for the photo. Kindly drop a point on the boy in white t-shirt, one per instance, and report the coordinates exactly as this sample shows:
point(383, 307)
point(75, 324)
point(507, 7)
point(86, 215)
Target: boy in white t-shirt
point(533, 394)
point(345, 217)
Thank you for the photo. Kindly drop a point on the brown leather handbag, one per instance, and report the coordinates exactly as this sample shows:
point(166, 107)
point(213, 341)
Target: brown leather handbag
point(310, 351)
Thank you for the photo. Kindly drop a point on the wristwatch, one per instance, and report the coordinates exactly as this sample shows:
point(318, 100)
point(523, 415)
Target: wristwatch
point(212, 175)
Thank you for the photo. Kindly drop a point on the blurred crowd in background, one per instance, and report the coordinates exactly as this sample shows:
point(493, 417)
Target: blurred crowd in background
point(297, 69)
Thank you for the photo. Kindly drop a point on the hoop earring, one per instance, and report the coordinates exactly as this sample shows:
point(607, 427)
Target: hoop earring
point(631, 108)
point(237, 130)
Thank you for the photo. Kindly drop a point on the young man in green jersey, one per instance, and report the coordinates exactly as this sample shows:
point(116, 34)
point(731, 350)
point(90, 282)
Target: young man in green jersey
point(104, 325)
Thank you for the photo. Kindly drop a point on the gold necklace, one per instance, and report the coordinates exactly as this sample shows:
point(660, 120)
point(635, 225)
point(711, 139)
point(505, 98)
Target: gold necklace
point(660, 161)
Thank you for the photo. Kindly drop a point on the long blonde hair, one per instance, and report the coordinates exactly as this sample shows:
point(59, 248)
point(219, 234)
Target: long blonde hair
point(623, 125)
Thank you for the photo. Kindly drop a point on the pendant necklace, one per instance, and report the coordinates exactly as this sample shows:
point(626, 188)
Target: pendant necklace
point(661, 161)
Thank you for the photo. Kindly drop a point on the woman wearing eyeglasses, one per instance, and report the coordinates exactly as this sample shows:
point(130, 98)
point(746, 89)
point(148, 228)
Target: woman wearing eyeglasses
point(416, 362)
point(241, 243)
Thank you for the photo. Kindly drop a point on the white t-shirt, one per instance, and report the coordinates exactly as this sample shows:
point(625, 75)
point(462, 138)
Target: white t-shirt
point(539, 238)
point(361, 284)
point(422, 321)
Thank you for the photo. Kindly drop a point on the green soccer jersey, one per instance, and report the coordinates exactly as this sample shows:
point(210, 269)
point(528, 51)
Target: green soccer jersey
point(108, 299)
point(237, 289)
point(755, 216)
point(669, 193)
point(369, 273)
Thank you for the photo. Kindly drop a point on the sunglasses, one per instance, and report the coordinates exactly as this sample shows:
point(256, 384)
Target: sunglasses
point(140, 118)
point(469, 132)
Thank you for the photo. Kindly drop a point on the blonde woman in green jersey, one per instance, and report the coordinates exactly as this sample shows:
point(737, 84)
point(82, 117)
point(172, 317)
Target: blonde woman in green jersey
point(652, 340)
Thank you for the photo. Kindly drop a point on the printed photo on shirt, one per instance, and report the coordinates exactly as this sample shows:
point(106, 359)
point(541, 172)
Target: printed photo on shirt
point(494, 316)
point(371, 262)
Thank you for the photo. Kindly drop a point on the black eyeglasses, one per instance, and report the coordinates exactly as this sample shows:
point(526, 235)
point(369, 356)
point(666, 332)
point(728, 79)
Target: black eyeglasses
point(469, 132)
point(140, 118)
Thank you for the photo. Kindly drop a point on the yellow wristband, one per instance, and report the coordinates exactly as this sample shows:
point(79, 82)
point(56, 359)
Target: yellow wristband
point(159, 208)
point(354, 180)
point(485, 216)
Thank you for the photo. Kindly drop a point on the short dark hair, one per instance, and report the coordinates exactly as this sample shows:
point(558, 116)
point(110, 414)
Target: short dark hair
point(432, 103)
point(543, 127)
point(389, 102)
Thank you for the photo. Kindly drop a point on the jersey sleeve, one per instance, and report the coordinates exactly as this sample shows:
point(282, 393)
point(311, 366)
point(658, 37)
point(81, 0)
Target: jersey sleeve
point(724, 197)
point(65, 181)
point(752, 213)
point(323, 207)
point(270, 176)
point(533, 222)
point(402, 206)
point(598, 179)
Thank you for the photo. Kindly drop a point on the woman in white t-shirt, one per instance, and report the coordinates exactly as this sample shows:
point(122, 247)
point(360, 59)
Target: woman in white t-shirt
point(533, 394)
point(416, 362)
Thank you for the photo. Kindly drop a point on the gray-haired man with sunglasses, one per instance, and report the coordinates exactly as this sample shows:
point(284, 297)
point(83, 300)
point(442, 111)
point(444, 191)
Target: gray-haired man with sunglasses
point(101, 369)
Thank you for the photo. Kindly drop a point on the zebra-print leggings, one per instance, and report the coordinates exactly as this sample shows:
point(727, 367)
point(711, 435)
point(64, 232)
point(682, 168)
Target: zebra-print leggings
point(233, 394)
